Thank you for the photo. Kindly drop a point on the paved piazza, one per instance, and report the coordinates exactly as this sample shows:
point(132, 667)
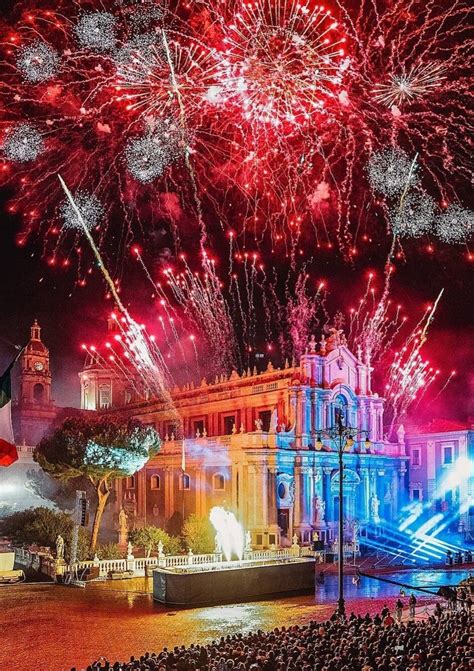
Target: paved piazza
point(72, 627)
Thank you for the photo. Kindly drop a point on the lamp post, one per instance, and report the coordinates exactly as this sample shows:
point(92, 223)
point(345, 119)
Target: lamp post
point(343, 437)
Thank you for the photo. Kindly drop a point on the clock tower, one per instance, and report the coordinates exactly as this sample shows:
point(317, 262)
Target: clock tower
point(35, 409)
point(35, 376)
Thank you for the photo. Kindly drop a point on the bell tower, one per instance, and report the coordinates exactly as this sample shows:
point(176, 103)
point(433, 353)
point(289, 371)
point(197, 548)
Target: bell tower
point(35, 409)
point(35, 376)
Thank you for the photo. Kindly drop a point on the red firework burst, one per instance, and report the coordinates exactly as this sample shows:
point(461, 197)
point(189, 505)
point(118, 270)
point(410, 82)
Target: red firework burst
point(269, 115)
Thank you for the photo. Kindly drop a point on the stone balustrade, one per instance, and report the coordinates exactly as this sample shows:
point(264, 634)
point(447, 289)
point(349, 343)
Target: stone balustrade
point(138, 565)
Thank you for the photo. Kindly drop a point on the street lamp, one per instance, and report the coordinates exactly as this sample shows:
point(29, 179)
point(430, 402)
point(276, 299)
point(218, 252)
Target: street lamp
point(344, 438)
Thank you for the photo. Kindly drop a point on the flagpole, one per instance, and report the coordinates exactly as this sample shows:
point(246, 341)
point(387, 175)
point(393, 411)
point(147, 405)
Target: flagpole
point(183, 471)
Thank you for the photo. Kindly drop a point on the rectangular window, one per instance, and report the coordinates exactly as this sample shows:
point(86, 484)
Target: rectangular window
point(265, 417)
point(104, 397)
point(447, 454)
point(271, 539)
point(415, 457)
point(198, 427)
point(416, 495)
point(131, 482)
point(229, 423)
point(171, 430)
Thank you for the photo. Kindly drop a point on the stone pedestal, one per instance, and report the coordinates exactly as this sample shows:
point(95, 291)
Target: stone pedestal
point(60, 568)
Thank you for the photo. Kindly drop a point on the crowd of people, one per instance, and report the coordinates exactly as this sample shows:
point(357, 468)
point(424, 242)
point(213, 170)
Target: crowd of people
point(440, 642)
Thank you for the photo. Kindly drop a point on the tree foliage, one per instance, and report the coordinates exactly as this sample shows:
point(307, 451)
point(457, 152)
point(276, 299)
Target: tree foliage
point(97, 447)
point(199, 534)
point(110, 551)
point(149, 537)
point(41, 526)
point(101, 448)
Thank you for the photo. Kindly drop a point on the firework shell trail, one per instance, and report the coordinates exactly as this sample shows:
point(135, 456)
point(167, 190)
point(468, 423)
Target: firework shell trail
point(157, 374)
point(409, 377)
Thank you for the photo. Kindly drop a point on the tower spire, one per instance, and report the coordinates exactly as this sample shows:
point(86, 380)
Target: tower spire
point(35, 331)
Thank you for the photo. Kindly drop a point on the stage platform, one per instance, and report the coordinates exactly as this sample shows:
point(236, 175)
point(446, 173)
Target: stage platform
point(232, 581)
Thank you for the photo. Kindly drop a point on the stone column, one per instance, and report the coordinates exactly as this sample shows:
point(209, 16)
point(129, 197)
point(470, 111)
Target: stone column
point(204, 494)
point(141, 499)
point(272, 503)
point(198, 485)
point(303, 496)
point(169, 493)
point(262, 489)
point(402, 498)
point(297, 504)
point(372, 423)
point(309, 486)
point(325, 414)
point(381, 488)
point(394, 489)
point(293, 408)
point(233, 484)
point(312, 429)
point(365, 484)
point(299, 418)
point(305, 416)
point(252, 498)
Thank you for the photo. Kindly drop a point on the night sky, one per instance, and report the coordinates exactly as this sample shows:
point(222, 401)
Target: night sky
point(71, 315)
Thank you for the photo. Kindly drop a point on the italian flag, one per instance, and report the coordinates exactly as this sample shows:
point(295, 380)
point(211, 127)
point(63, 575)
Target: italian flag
point(8, 451)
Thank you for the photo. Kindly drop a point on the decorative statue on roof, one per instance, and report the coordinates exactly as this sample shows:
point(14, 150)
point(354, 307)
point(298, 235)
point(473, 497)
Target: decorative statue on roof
point(336, 338)
point(312, 345)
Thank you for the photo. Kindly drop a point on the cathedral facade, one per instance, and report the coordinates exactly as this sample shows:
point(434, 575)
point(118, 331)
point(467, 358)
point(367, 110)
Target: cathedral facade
point(255, 443)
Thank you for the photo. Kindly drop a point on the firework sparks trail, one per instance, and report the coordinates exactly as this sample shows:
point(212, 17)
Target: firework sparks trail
point(372, 331)
point(154, 369)
point(202, 300)
point(449, 379)
point(277, 124)
point(409, 376)
point(170, 312)
point(301, 313)
point(419, 82)
point(374, 328)
point(183, 126)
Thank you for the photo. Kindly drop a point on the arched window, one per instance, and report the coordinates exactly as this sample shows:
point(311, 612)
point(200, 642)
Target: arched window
point(131, 482)
point(38, 393)
point(155, 482)
point(218, 482)
point(185, 481)
point(340, 409)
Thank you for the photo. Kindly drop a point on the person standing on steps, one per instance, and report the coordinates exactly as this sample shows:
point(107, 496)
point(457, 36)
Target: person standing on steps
point(412, 604)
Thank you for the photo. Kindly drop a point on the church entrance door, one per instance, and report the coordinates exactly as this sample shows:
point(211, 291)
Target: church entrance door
point(284, 521)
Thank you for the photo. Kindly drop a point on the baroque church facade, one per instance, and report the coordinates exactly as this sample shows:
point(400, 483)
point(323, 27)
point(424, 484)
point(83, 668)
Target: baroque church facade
point(249, 442)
